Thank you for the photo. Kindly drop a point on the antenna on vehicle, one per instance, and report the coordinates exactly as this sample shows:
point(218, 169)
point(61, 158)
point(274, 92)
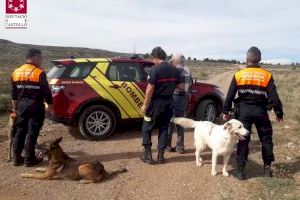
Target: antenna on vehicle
point(134, 49)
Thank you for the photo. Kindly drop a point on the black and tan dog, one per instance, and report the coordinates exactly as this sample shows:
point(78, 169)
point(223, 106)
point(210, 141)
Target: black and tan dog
point(61, 166)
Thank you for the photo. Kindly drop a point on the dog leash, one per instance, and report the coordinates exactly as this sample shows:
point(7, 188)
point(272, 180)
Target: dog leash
point(174, 125)
point(293, 155)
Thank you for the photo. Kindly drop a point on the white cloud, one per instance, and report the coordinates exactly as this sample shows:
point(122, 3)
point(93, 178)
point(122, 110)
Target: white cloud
point(210, 28)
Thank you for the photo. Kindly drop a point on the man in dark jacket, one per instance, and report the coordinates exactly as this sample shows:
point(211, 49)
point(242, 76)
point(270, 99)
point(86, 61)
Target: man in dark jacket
point(162, 81)
point(256, 93)
point(29, 91)
point(180, 99)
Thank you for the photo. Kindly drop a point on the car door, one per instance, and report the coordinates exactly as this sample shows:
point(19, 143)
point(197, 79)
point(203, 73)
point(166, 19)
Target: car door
point(125, 76)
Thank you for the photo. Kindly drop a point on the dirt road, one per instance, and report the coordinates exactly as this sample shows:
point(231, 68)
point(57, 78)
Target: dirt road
point(222, 80)
point(180, 178)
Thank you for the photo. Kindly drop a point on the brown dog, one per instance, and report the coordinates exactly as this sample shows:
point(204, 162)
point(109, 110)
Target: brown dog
point(11, 133)
point(61, 166)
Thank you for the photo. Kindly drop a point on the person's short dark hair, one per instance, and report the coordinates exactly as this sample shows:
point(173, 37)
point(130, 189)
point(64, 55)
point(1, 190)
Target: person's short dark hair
point(159, 53)
point(254, 55)
point(33, 52)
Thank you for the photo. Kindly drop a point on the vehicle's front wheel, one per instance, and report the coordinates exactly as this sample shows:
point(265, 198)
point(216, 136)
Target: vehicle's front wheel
point(206, 111)
point(96, 122)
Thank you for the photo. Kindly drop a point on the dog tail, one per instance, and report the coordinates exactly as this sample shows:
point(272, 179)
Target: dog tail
point(116, 172)
point(184, 122)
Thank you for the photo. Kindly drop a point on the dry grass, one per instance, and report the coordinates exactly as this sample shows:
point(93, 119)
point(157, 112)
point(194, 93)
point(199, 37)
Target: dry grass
point(4, 91)
point(288, 85)
point(286, 138)
point(275, 189)
point(204, 70)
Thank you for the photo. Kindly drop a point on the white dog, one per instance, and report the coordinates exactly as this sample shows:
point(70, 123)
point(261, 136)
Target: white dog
point(222, 139)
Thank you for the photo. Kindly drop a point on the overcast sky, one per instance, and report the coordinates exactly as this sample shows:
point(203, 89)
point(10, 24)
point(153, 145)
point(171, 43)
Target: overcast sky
point(206, 28)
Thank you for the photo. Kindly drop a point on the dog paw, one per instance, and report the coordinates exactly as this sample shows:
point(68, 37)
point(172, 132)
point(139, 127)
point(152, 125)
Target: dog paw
point(225, 174)
point(40, 169)
point(199, 164)
point(84, 181)
point(213, 173)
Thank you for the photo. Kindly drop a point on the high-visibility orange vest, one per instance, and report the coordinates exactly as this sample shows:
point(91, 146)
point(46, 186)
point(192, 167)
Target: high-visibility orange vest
point(252, 83)
point(27, 73)
point(26, 82)
point(253, 76)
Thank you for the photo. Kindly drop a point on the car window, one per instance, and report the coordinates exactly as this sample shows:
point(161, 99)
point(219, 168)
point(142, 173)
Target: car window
point(75, 71)
point(113, 73)
point(119, 71)
point(80, 72)
point(56, 71)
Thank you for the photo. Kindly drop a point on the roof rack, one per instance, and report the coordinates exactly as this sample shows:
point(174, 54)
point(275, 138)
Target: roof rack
point(136, 56)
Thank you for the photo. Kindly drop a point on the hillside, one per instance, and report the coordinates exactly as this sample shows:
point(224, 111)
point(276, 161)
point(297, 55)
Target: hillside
point(13, 54)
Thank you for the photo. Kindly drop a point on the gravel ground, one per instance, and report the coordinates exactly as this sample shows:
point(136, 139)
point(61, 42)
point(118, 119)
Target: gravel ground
point(178, 179)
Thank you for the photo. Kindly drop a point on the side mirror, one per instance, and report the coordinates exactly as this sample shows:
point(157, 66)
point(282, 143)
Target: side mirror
point(193, 81)
point(143, 79)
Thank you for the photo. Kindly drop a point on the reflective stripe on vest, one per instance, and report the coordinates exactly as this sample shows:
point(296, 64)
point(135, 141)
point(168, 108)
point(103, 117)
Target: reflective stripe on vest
point(28, 87)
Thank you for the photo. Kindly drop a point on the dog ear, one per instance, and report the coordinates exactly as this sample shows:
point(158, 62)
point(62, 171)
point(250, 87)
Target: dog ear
point(56, 142)
point(228, 126)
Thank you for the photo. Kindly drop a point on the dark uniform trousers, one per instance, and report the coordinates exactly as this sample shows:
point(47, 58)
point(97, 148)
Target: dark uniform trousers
point(158, 115)
point(30, 118)
point(254, 114)
point(179, 102)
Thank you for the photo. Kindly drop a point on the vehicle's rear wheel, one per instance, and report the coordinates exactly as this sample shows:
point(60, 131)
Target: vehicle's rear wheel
point(96, 122)
point(207, 110)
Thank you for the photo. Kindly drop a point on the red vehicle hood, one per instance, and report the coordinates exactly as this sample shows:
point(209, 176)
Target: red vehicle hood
point(198, 83)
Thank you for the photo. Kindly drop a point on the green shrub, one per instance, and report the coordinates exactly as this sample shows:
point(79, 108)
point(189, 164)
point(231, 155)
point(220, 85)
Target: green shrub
point(4, 103)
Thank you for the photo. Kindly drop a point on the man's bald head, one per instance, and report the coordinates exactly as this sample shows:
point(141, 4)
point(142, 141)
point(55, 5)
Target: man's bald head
point(177, 59)
point(253, 55)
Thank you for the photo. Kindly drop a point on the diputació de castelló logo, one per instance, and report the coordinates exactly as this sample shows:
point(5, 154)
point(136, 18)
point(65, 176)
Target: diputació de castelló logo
point(16, 14)
point(16, 6)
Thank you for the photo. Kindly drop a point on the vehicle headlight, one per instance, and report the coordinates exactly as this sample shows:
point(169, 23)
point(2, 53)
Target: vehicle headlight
point(219, 91)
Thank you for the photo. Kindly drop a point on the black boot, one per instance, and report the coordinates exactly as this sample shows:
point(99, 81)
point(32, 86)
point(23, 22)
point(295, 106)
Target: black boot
point(160, 157)
point(17, 160)
point(180, 150)
point(170, 149)
point(32, 162)
point(147, 156)
point(241, 172)
point(267, 171)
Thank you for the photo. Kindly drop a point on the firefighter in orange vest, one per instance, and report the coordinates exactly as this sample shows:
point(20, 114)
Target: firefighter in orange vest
point(29, 91)
point(256, 95)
